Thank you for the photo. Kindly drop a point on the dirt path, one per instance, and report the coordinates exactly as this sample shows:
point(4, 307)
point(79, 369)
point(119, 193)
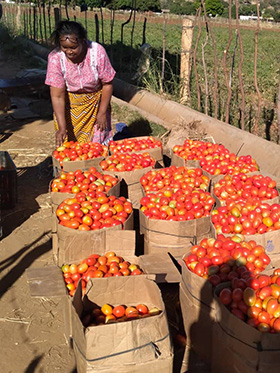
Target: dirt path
point(32, 329)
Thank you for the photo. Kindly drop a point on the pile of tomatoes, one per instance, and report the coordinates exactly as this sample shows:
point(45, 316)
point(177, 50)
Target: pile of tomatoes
point(224, 258)
point(93, 213)
point(178, 206)
point(174, 178)
point(246, 219)
point(197, 150)
point(134, 145)
point(76, 151)
point(87, 181)
point(214, 158)
point(96, 266)
point(245, 188)
point(108, 314)
point(127, 162)
point(255, 300)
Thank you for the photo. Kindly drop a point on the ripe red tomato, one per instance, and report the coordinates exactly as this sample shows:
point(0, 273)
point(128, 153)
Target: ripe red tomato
point(142, 309)
point(226, 296)
point(119, 311)
point(238, 313)
point(263, 317)
point(199, 269)
point(237, 295)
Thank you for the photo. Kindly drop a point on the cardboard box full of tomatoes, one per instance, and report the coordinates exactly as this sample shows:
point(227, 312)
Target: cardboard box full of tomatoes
point(139, 344)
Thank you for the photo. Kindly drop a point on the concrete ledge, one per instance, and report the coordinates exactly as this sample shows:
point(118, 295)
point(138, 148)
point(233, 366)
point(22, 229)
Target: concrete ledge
point(266, 153)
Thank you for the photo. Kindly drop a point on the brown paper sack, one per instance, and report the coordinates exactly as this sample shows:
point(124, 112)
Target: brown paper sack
point(132, 180)
point(156, 153)
point(162, 236)
point(70, 245)
point(196, 298)
point(75, 165)
point(141, 345)
point(238, 347)
point(270, 240)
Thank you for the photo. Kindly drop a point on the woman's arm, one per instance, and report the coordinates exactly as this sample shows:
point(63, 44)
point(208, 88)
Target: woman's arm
point(101, 119)
point(58, 103)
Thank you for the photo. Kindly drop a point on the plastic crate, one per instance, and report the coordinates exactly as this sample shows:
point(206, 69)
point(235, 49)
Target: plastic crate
point(8, 181)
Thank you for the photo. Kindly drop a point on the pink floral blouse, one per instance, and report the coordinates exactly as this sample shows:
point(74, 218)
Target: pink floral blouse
point(87, 75)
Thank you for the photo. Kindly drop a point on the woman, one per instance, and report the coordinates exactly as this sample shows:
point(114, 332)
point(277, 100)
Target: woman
point(80, 77)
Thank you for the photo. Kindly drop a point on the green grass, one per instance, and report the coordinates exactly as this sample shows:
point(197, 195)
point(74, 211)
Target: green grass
point(138, 126)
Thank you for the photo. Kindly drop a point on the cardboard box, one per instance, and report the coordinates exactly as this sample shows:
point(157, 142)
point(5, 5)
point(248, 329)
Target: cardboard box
point(123, 244)
point(196, 298)
point(178, 161)
point(156, 153)
point(162, 236)
point(71, 245)
point(246, 349)
point(132, 181)
point(141, 345)
point(161, 266)
point(75, 165)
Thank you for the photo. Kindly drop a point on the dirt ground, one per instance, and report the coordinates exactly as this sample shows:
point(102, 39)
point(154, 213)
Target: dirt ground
point(32, 330)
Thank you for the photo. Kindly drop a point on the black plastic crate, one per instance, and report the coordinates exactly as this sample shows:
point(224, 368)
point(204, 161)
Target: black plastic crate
point(8, 181)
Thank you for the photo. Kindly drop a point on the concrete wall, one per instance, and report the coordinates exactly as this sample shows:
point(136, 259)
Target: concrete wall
point(266, 153)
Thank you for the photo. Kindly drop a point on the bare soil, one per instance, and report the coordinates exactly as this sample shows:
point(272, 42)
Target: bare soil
point(32, 335)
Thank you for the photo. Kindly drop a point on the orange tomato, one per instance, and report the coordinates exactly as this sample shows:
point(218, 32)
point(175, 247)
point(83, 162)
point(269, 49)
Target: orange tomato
point(107, 309)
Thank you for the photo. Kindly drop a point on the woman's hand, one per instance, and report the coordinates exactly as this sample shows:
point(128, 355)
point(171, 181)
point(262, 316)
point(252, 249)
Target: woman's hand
point(60, 137)
point(101, 121)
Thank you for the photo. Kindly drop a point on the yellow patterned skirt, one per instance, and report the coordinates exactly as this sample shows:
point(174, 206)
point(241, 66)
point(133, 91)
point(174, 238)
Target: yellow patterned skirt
point(80, 112)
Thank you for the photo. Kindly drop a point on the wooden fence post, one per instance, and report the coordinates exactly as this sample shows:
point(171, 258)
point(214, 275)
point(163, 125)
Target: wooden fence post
point(56, 16)
point(186, 45)
point(18, 21)
point(34, 23)
point(96, 28)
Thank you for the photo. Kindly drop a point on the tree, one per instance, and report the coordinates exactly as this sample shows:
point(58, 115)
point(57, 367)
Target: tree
point(268, 13)
point(276, 17)
point(142, 5)
point(214, 7)
point(176, 7)
point(183, 7)
point(248, 10)
point(189, 8)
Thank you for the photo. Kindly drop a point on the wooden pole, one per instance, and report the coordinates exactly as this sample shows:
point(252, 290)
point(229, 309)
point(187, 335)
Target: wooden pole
point(163, 53)
point(56, 16)
point(18, 21)
point(186, 45)
point(96, 28)
point(34, 22)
